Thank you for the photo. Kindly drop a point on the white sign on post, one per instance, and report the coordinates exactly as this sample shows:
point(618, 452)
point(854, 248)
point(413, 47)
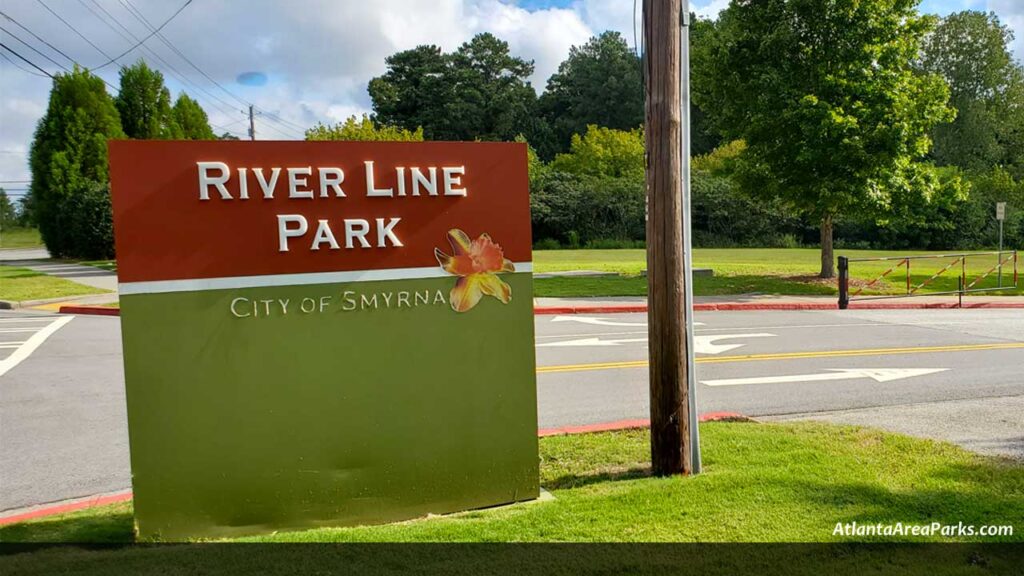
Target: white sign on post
point(1000, 210)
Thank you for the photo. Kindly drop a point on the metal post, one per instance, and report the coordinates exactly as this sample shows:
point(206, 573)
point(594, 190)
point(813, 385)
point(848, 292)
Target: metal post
point(908, 275)
point(1000, 276)
point(844, 282)
point(687, 191)
point(963, 281)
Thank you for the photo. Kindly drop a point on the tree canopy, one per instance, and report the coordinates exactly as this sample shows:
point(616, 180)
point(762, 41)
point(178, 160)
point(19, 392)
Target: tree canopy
point(362, 129)
point(144, 104)
point(604, 152)
point(192, 119)
point(827, 98)
point(599, 83)
point(69, 188)
point(478, 92)
point(970, 50)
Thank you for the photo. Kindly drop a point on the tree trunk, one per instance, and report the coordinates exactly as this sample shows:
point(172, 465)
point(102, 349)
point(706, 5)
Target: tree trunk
point(828, 269)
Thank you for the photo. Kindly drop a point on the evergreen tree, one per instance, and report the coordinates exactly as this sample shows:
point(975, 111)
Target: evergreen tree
point(69, 189)
point(144, 104)
point(192, 119)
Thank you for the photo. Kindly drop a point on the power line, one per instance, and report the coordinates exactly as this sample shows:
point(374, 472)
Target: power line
point(135, 10)
point(26, 60)
point(36, 36)
point(23, 69)
point(33, 48)
point(213, 99)
point(140, 42)
point(73, 29)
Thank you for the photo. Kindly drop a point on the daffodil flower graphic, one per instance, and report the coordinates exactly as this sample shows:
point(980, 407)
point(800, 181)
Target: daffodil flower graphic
point(477, 263)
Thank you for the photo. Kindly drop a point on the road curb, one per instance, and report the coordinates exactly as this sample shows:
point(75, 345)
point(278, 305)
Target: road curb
point(66, 507)
point(634, 424)
point(44, 510)
point(90, 310)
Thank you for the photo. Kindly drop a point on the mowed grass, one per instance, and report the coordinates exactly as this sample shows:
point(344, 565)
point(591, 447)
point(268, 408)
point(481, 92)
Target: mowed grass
point(782, 271)
point(17, 284)
point(20, 238)
point(762, 482)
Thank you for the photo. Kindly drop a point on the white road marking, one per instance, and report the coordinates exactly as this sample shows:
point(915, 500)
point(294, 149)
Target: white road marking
point(9, 330)
point(26, 319)
point(701, 344)
point(706, 344)
point(876, 374)
point(24, 350)
point(602, 321)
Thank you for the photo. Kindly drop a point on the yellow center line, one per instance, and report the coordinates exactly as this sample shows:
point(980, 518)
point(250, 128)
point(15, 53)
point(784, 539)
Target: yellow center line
point(789, 356)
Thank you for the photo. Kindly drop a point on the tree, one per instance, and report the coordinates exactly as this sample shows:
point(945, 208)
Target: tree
point(144, 104)
point(604, 152)
point(191, 119)
point(363, 130)
point(227, 136)
point(68, 158)
point(479, 92)
point(599, 83)
point(7, 213)
point(826, 95)
point(970, 50)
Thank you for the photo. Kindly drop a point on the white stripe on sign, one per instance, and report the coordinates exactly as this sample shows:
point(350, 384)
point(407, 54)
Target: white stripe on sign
point(194, 285)
point(32, 343)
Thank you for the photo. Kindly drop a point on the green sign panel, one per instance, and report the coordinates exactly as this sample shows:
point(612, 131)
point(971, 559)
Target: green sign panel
point(324, 334)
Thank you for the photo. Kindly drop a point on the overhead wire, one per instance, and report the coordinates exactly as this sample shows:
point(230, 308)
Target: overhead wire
point(37, 37)
point(26, 60)
point(141, 42)
point(171, 70)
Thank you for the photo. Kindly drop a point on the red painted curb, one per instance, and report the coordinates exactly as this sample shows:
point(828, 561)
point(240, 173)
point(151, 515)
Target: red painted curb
point(65, 508)
point(542, 433)
point(93, 310)
point(633, 424)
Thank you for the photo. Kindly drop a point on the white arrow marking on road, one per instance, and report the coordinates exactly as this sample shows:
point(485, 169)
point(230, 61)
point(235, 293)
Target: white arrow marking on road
point(593, 342)
point(602, 321)
point(706, 344)
point(876, 374)
point(701, 344)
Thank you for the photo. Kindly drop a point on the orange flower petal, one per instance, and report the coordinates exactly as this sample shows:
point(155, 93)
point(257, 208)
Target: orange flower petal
point(460, 242)
point(459, 265)
point(507, 266)
point(466, 293)
point(487, 256)
point(491, 285)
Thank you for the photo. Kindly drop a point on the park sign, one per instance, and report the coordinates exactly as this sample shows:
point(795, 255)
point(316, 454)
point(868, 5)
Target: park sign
point(323, 333)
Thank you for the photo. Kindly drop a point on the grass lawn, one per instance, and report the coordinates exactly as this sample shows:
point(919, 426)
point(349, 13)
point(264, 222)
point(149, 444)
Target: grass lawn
point(786, 271)
point(20, 238)
point(18, 284)
point(762, 483)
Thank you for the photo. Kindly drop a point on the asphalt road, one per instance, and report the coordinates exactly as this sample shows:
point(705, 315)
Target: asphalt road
point(951, 374)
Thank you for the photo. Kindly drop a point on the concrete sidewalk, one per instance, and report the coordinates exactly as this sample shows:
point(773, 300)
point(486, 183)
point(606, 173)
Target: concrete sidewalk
point(88, 275)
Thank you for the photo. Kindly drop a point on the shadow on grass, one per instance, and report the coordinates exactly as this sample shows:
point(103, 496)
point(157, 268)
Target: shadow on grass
point(116, 527)
point(580, 480)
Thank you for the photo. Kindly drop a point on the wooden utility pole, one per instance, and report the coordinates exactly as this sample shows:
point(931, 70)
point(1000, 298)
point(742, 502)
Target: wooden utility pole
point(674, 445)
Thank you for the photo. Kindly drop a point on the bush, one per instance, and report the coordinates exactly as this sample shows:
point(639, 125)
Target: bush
point(546, 244)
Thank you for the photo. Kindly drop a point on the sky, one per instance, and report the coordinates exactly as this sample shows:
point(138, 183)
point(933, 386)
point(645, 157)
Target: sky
point(299, 62)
